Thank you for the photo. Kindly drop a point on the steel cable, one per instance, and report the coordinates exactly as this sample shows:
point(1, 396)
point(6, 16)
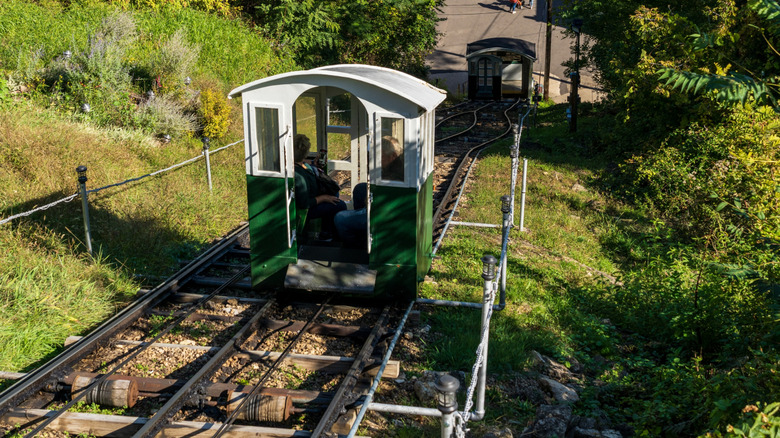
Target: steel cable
point(44, 207)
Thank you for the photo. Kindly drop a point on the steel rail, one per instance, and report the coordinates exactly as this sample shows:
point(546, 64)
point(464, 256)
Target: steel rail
point(464, 111)
point(479, 148)
point(349, 381)
point(457, 105)
point(378, 377)
point(476, 118)
point(135, 352)
point(448, 195)
point(56, 368)
point(234, 415)
point(175, 403)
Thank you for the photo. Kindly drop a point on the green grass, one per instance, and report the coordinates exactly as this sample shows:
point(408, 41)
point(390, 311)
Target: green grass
point(144, 227)
point(562, 300)
point(230, 51)
point(51, 287)
point(49, 292)
point(559, 251)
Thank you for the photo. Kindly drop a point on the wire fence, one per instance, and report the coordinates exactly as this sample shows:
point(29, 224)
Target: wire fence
point(127, 181)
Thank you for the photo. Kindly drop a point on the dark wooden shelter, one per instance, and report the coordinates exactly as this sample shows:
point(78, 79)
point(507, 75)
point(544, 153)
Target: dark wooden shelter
point(500, 67)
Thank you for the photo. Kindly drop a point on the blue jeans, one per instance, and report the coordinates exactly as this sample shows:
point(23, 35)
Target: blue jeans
point(326, 211)
point(359, 194)
point(351, 224)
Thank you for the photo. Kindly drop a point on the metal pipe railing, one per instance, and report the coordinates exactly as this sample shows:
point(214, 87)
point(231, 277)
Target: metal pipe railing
point(404, 410)
point(522, 195)
point(375, 384)
point(474, 224)
point(488, 276)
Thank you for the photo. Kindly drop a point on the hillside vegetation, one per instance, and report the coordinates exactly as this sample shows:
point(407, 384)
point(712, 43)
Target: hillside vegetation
point(50, 288)
point(659, 276)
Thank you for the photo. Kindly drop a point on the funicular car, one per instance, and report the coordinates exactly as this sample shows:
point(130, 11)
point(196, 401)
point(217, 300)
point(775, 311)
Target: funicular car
point(345, 111)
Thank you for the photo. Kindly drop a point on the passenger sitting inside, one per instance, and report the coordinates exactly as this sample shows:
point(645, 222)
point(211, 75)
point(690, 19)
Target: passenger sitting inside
point(351, 224)
point(392, 159)
point(307, 192)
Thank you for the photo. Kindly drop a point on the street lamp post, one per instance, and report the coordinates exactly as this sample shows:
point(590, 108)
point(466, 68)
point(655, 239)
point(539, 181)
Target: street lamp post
point(576, 26)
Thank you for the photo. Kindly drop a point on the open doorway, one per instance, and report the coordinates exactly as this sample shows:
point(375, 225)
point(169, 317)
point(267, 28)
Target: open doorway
point(336, 123)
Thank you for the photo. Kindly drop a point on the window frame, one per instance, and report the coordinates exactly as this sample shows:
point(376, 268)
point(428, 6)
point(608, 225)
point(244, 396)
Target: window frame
point(282, 138)
point(376, 152)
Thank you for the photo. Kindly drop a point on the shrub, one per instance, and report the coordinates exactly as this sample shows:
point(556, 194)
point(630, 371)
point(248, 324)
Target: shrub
point(163, 115)
point(758, 422)
point(174, 61)
point(103, 62)
point(220, 7)
point(702, 169)
point(215, 114)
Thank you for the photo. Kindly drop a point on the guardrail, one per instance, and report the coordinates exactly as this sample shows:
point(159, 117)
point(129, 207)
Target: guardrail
point(83, 192)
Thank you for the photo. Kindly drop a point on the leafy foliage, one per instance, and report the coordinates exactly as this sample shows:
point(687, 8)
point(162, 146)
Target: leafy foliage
point(397, 34)
point(766, 422)
point(302, 28)
point(699, 294)
point(220, 7)
point(733, 86)
point(215, 113)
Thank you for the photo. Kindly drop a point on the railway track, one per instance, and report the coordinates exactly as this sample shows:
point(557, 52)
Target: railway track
point(203, 354)
point(461, 133)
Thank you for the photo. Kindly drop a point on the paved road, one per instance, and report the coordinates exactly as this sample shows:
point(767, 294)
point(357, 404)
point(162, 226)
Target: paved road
point(466, 21)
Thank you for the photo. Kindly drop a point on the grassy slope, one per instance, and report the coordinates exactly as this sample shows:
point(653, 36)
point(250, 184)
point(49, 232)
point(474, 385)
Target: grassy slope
point(143, 227)
point(50, 289)
point(230, 51)
point(559, 250)
point(575, 242)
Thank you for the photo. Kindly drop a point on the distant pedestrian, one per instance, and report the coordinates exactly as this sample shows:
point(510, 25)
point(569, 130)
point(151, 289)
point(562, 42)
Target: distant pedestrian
point(514, 6)
point(530, 4)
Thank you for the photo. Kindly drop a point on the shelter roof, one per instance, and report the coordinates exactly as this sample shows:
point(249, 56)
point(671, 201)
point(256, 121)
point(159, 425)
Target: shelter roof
point(511, 45)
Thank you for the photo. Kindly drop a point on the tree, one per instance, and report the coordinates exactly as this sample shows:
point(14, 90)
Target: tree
point(736, 81)
point(391, 33)
point(303, 28)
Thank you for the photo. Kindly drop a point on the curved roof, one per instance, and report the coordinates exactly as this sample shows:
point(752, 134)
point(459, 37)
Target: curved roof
point(513, 45)
point(406, 86)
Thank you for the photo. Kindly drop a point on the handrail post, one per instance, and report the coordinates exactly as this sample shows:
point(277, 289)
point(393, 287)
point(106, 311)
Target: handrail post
point(447, 403)
point(82, 174)
point(208, 163)
point(505, 226)
point(514, 153)
point(522, 195)
point(488, 274)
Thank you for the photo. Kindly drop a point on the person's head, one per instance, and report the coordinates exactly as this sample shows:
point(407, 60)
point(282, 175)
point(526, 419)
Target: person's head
point(301, 146)
point(391, 150)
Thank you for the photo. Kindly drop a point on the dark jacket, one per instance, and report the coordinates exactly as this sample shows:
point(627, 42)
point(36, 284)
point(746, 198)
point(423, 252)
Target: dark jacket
point(305, 188)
